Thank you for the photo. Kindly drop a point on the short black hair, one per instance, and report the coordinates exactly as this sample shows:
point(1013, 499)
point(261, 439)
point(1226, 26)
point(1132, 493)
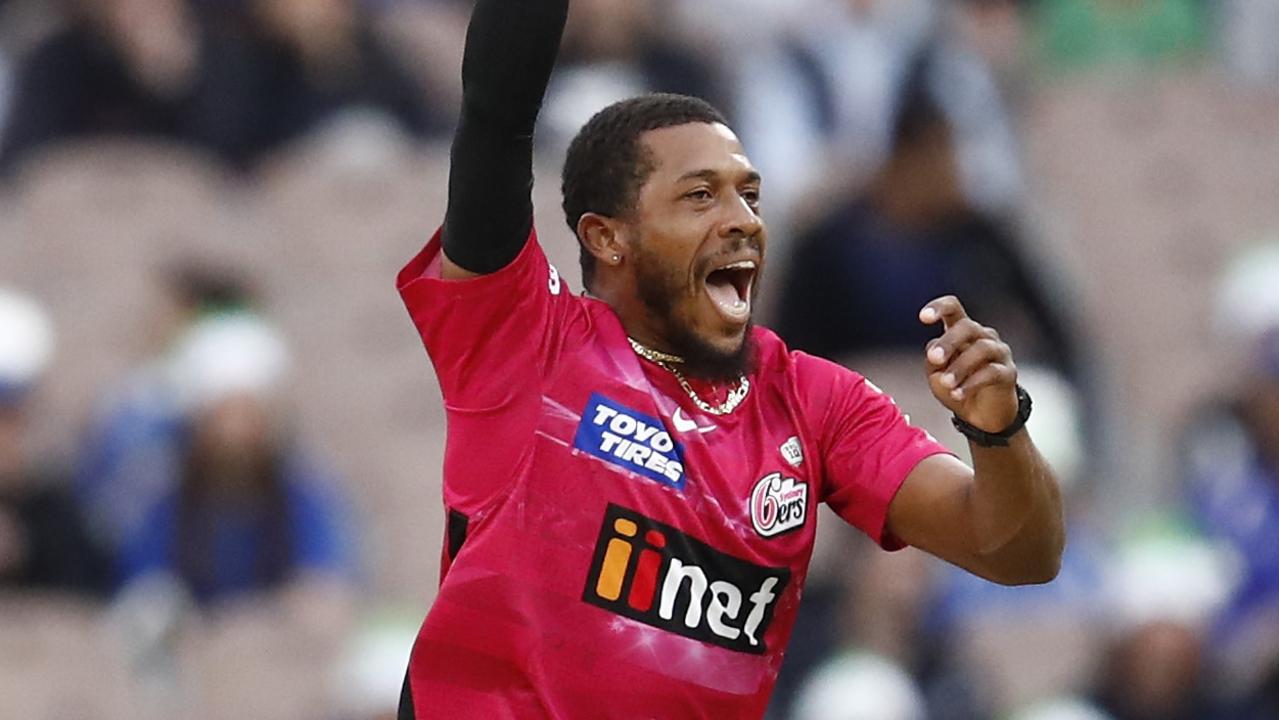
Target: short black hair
point(607, 164)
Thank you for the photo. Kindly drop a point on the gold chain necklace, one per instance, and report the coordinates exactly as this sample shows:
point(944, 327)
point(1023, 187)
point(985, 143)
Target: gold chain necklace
point(668, 361)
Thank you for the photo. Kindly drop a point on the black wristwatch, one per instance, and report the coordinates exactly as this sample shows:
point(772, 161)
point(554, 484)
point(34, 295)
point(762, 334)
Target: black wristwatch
point(1000, 439)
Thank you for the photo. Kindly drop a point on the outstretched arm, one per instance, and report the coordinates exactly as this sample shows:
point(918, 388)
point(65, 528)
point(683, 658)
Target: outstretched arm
point(1002, 519)
point(510, 51)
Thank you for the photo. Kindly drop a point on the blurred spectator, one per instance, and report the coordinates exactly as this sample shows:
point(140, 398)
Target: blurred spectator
point(859, 277)
point(1165, 586)
point(239, 80)
point(1067, 708)
point(1082, 33)
point(865, 625)
point(817, 98)
point(305, 64)
point(131, 448)
point(612, 50)
point(1232, 453)
point(43, 544)
point(1230, 461)
point(859, 686)
point(428, 37)
point(248, 513)
point(116, 67)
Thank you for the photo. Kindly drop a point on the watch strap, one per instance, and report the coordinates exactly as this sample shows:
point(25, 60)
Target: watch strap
point(982, 438)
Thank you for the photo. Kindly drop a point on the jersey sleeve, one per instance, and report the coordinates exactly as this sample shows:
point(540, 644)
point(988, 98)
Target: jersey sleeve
point(491, 338)
point(867, 445)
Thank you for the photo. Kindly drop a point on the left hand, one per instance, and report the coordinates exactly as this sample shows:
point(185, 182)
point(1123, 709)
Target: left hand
point(970, 370)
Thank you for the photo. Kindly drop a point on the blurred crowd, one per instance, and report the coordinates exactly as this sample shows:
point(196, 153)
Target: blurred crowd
point(197, 506)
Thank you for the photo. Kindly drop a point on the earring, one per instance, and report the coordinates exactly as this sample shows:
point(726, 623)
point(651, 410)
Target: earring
point(617, 258)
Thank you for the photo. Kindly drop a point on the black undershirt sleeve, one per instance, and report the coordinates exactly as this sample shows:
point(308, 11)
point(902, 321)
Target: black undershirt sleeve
point(510, 51)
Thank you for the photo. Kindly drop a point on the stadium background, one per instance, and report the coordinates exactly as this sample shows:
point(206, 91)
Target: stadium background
point(1131, 146)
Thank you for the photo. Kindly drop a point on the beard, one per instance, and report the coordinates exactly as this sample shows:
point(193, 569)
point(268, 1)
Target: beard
point(658, 290)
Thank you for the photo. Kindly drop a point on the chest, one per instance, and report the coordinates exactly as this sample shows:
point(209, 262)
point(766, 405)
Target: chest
point(629, 435)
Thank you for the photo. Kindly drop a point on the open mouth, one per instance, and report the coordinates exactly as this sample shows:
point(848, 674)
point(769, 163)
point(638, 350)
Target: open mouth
point(729, 288)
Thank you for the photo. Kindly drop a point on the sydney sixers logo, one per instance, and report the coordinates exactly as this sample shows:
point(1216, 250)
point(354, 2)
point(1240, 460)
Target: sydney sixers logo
point(778, 504)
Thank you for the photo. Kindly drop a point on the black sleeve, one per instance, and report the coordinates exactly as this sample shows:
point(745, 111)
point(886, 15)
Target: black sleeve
point(510, 51)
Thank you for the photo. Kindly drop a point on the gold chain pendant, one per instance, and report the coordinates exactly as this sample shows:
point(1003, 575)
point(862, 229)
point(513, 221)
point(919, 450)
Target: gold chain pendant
point(666, 361)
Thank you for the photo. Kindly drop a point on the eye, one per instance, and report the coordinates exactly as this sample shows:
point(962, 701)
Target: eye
point(751, 196)
point(700, 194)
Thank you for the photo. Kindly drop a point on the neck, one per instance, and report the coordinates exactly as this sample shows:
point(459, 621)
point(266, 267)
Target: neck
point(630, 310)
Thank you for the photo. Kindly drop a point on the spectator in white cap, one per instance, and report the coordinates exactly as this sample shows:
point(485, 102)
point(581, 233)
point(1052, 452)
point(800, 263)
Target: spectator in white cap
point(1164, 589)
point(859, 686)
point(247, 513)
point(43, 545)
point(128, 455)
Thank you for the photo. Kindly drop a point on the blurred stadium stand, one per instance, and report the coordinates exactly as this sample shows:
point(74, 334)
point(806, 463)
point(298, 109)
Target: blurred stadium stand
point(1141, 184)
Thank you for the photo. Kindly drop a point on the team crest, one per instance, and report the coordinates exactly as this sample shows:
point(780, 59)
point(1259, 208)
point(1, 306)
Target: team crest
point(778, 504)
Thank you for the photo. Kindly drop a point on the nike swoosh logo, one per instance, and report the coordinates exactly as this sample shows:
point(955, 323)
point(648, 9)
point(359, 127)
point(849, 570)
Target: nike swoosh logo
point(685, 425)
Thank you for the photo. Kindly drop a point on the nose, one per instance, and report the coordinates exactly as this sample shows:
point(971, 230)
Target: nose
point(741, 219)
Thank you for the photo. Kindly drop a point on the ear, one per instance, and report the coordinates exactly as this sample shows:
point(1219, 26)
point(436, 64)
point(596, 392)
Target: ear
point(604, 237)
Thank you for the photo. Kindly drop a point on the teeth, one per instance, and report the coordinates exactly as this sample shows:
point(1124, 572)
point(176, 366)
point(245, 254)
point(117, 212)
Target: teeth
point(740, 265)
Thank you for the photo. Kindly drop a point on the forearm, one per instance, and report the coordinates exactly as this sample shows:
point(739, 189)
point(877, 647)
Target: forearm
point(1016, 513)
point(510, 52)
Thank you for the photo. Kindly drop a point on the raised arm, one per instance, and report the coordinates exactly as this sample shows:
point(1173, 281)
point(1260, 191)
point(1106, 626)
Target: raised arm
point(1002, 519)
point(510, 51)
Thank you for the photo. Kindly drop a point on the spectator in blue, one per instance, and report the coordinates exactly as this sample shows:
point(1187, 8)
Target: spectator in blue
point(130, 451)
point(1231, 460)
point(248, 512)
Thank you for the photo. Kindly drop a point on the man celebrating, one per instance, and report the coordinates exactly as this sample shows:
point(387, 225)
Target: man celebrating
point(632, 476)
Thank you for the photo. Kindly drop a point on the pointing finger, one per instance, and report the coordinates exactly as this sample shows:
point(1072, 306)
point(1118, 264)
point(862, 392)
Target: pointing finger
point(947, 308)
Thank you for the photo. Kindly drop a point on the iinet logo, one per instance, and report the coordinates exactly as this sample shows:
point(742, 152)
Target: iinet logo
point(657, 575)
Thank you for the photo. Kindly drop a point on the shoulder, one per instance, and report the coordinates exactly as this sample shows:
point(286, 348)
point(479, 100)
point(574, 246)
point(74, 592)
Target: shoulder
point(818, 390)
point(806, 371)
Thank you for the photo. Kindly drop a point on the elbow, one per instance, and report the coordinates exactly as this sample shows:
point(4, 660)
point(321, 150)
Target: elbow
point(1042, 573)
point(1039, 573)
point(1037, 567)
point(1041, 567)
point(1038, 560)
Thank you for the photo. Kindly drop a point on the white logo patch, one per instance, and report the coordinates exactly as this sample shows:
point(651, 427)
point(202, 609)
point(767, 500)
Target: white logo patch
point(793, 453)
point(778, 504)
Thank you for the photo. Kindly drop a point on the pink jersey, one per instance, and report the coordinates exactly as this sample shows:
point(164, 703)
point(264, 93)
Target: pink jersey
point(613, 551)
